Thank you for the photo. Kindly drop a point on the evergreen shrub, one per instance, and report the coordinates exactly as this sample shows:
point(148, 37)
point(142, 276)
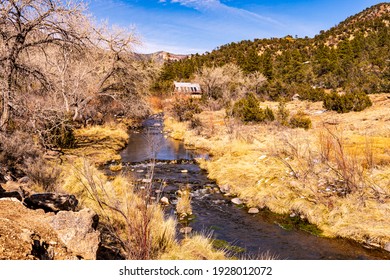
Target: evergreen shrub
point(351, 101)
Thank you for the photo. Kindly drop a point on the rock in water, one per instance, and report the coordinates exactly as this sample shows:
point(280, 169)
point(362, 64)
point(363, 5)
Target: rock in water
point(77, 231)
point(186, 230)
point(224, 188)
point(237, 201)
point(253, 211)
point(164, 200)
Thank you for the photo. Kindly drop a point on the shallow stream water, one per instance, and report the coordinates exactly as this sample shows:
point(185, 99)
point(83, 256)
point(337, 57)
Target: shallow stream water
point(175, 167)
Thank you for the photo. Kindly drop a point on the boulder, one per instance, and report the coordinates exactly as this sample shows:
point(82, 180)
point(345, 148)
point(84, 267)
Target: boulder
point(26, 235)
point(77, 231)
point(387, 247)
point(11, 195)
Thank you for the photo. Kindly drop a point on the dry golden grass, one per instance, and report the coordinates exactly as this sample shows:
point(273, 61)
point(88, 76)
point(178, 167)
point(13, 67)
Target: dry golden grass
point(183, 206)
point(336, 175)
point(100, 144)
point(196, 247)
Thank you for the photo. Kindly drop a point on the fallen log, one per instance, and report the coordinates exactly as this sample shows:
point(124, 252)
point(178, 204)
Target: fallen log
point(51, 202)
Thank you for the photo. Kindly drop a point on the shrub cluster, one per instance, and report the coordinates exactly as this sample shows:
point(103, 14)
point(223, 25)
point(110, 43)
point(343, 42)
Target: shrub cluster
point(248, 110)
point(184, 109)
point(301, 120)
point(351, 101)
point(282, 114)
point(16, 148)
point(311, 94)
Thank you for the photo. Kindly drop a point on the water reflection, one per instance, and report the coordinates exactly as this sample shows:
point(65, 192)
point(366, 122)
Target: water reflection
point(153, 143)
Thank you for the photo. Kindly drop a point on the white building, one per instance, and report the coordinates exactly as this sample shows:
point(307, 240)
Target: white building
point(191, 88)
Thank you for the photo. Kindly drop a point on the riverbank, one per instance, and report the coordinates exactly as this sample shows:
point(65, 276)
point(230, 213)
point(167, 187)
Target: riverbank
point(335, 175)
point(136, 222)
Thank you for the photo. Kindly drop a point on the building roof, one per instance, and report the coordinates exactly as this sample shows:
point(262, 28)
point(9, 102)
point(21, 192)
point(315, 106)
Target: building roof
point(187, 87)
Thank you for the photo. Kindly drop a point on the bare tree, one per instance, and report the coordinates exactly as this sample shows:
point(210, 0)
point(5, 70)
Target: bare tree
point(28, 27)
point(118, 44)
point(72, 72)
point(212, 79)
point(254, 81)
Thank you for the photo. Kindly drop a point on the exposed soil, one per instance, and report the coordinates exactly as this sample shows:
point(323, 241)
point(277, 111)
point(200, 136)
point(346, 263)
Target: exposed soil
point(26, 235)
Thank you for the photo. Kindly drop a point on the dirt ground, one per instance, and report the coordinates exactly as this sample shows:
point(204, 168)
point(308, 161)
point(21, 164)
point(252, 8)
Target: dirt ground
point(25, 234)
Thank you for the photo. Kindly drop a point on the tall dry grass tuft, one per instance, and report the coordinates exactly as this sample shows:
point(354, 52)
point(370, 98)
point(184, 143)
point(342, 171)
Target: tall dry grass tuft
point(183, 207)
point(195, 247)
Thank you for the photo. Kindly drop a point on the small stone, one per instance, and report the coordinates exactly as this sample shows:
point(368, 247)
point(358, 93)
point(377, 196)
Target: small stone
point(236, 201)
point(387, 246)
point(164, 200)
point(146, 181)
point(262, 157)
point(24, 180)
point(219, 201)
point(253, 211)
point(224, 188)
point(140, 171)
point(186, 230)
point(184, 171)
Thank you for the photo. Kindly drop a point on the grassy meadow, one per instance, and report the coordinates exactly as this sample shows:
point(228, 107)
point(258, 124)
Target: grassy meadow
point(335, 175)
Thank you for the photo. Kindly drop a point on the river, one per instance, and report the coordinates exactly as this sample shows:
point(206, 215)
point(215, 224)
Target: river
point(175, 167)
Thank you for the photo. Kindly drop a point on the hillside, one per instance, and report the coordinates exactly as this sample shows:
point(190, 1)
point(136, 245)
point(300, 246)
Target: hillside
point(161, 57)
point(354, 55)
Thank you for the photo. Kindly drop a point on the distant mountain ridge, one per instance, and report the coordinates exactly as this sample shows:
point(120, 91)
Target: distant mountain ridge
point(162, 56)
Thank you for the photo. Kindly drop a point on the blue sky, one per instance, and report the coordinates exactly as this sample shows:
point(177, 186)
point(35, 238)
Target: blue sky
point(197, 26)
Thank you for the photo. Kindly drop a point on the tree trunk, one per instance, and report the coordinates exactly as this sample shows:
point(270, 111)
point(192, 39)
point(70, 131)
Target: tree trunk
point(5, 97)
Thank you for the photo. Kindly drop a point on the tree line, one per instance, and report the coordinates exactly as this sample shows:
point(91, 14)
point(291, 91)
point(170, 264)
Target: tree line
point(354, 56)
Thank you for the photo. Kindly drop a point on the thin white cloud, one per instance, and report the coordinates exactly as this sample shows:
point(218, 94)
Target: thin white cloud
point(199, 4)
point(216, 6)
